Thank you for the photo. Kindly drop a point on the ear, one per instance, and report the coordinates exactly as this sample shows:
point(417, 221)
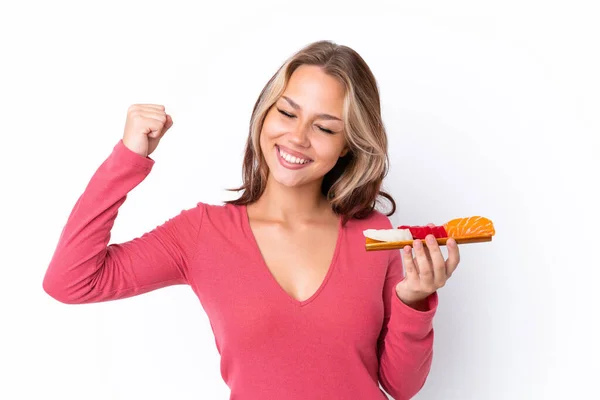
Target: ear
point(344, 151)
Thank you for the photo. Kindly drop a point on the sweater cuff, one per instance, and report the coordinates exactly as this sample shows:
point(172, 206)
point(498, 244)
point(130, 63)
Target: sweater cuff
point(127, 156)
point(398, 307)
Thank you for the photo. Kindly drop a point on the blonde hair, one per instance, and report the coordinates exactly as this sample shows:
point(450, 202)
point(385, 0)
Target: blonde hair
point(354, 183)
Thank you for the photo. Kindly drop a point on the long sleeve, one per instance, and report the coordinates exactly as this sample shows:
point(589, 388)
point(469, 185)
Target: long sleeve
point(86, 269)
point(405, 347)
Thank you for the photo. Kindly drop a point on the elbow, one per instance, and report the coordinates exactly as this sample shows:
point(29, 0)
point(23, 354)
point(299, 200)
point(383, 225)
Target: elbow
point(406, 392)
point(405, 384)
point(57, 290)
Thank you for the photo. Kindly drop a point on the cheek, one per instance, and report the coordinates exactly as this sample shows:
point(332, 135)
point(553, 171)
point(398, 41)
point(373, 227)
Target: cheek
point(329, 149)
point(272, 128)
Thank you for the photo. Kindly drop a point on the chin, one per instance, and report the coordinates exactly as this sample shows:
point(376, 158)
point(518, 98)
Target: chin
point(288, 177)
point(291, 182)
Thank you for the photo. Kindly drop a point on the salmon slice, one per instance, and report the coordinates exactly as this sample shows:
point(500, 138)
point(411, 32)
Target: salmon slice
point(469, 227)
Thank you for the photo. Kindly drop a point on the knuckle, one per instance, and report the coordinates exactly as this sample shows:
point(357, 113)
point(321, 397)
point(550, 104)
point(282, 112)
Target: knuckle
point(426, 272)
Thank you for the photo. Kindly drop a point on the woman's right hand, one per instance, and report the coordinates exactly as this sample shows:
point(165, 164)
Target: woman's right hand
point(145, 126)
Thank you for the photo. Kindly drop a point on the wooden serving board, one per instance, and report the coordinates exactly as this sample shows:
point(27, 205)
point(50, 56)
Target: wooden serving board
point(372, 244)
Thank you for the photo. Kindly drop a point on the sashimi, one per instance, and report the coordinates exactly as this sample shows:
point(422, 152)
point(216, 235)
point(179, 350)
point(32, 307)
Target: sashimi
point(388, 235)
point(420, 232)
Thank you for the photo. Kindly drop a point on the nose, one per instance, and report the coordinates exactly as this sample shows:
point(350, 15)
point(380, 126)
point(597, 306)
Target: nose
point(299, 135)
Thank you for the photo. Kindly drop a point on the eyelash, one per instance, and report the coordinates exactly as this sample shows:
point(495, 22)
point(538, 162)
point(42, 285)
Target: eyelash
point(293, 116)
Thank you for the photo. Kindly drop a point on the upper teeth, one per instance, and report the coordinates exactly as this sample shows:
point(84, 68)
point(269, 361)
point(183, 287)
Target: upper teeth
point(292, 159)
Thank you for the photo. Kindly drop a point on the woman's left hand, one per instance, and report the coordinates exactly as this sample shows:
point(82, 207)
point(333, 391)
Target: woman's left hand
point(427, 271)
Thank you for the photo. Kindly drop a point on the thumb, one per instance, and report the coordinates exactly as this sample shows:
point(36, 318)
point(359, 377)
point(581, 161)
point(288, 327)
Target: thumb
point(168, 124)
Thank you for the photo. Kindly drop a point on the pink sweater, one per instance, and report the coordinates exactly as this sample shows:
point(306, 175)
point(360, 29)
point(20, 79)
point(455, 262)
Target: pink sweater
point(353, 333)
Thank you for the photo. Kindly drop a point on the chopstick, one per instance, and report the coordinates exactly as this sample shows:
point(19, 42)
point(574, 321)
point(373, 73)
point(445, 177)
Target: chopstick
point(372, 245)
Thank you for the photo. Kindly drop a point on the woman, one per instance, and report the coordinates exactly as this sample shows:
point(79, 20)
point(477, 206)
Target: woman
point(298, 308)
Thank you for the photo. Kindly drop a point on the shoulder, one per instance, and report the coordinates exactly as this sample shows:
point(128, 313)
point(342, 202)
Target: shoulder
point(221, 215)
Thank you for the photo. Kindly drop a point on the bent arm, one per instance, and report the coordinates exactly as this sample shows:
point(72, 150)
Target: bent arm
point(86, 269)
point(405, 347)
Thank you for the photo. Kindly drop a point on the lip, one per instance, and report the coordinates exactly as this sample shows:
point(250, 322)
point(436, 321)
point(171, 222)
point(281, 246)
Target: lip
point(289, 165)
point(294, 153)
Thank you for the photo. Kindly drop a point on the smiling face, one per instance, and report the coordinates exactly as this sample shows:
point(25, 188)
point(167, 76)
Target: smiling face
point(302, 135)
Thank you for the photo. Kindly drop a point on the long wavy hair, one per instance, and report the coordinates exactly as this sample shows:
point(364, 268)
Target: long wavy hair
point(353, 185)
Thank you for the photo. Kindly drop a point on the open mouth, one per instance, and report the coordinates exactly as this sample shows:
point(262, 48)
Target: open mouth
point(291, 161)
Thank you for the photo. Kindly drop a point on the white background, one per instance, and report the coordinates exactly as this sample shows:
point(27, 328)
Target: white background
point(491, 109)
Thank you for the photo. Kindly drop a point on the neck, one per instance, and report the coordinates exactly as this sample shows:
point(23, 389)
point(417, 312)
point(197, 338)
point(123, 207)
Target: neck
point(292, 204)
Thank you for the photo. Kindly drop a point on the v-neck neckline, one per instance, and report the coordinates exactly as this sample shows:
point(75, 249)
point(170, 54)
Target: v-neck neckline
point(265, 267)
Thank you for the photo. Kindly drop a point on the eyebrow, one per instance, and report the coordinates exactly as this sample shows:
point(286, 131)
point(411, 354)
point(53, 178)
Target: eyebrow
point(320, 116)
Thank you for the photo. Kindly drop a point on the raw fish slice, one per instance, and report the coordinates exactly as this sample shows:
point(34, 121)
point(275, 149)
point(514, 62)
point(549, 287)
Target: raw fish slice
point(469, 227)
point(421, 232)
point(388, 235)
point(464, 230)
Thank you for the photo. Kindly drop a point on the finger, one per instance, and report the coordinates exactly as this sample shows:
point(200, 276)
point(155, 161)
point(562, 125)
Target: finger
point(437, 261)
point(151, 106)
point(159, 120)
point(410, 269)
point(157, 115)
point(425, 268)
point(408, 251)
point(427, 257)
point(152, 127)
point(168, 124)
point(166, 127)
point(427, 253)
point(414, 260)
point(431, 225)
point(453, 256)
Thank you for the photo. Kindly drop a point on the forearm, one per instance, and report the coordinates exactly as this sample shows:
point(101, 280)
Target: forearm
point(406, 351)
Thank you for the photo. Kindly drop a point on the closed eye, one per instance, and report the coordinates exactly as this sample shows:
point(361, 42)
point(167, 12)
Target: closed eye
point(325, 130)
point(288, 115)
